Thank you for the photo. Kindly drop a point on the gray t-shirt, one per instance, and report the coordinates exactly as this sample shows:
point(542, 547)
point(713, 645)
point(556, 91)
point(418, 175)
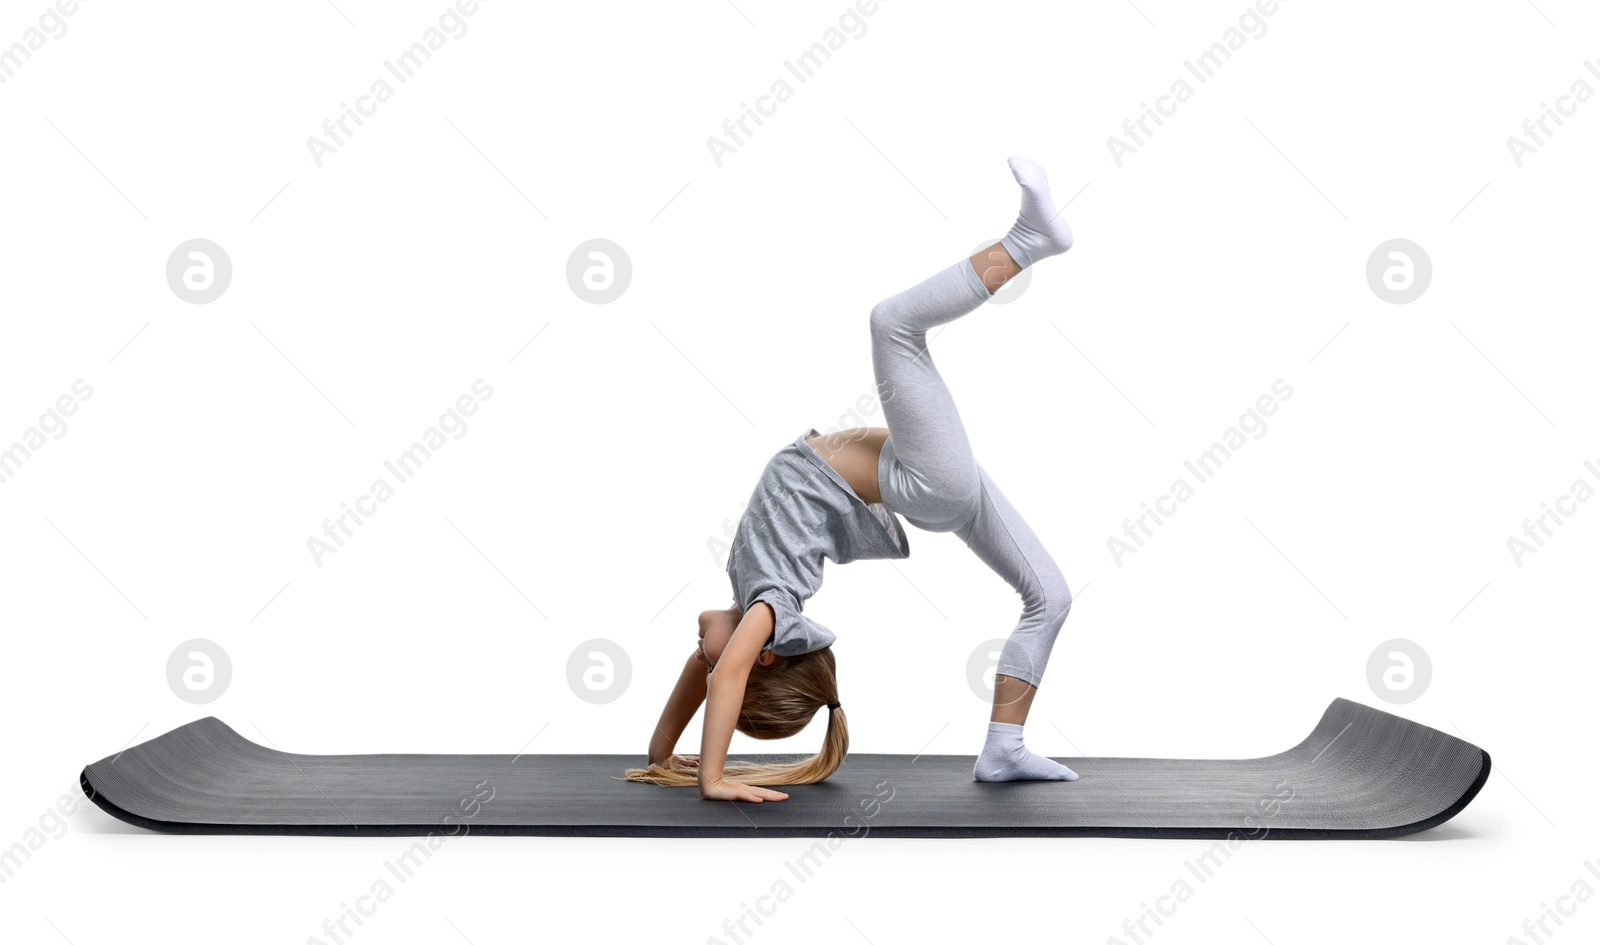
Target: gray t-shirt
point(801, 512)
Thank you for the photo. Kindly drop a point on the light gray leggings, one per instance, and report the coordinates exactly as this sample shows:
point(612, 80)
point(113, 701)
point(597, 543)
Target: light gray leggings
point(927, 472)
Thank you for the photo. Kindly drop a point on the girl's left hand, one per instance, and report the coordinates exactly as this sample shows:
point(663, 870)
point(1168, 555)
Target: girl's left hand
point(725, 790)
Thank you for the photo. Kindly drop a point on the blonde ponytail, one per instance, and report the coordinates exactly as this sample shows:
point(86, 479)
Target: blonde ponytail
point(779, 701)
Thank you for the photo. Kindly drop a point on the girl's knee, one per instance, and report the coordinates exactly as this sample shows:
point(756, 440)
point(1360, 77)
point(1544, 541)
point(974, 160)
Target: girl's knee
point(1055, 597)
point(887, 322)
point(881, 320)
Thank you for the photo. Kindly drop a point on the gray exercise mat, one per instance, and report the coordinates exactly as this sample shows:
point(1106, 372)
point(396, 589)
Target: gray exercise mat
point(1361, 773)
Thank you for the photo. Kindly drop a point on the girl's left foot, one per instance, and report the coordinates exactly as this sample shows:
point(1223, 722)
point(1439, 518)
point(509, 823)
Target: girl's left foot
point(1006, 758)
point(1039, 231)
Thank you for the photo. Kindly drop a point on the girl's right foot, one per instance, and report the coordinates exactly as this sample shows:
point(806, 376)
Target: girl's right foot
point(1006, 758)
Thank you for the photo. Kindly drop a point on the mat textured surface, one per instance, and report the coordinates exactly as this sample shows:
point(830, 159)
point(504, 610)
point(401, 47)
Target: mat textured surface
point(1360, 774)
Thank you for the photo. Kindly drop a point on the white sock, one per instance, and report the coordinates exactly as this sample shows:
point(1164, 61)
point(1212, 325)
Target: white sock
point(1039, 231)
point(1006, 758)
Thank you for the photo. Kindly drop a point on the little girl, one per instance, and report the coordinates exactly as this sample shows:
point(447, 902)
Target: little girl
point(765, 668)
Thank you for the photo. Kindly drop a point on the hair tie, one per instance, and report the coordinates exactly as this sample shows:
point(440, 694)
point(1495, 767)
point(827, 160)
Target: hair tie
point(833, 705)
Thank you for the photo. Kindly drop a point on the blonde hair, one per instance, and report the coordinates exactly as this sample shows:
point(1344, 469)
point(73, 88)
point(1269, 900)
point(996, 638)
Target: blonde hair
point(779, 701)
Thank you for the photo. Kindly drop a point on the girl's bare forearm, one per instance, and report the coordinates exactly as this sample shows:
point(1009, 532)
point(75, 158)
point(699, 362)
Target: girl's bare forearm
point(725, 696)
point(725, 690)
point(687, 695)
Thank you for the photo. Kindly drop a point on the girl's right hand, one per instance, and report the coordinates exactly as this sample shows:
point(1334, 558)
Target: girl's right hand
point(724, 789)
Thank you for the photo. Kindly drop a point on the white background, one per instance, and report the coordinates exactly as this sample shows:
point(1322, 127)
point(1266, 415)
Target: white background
point(425, 253)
